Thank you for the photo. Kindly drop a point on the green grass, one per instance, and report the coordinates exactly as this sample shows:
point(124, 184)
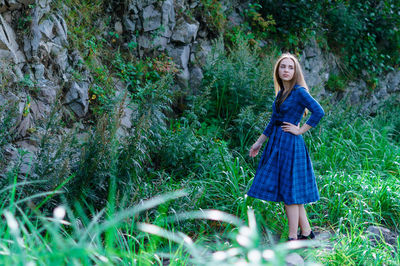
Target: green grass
point(357, 169)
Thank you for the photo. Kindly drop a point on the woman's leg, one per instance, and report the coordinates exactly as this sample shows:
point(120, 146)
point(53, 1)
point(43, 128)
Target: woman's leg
point(292, 213)
point(303, 221)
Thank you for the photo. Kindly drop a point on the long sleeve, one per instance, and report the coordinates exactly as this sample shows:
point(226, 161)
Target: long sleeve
point(311, 104)
point(268, 130)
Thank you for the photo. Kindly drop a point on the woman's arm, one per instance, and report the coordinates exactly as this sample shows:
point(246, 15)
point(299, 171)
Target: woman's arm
point(257, 145)
point(311, 104)
point(306, 100)
point(295, 130)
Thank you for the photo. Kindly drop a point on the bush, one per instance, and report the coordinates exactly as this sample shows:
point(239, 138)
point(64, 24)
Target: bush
point(235, 80)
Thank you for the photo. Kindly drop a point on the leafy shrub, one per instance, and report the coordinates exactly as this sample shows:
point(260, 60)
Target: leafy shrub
point(186, 150)
point(214, 14)
point(336, 83)
point(236, 79)
point(257, 23)
point(295, 21)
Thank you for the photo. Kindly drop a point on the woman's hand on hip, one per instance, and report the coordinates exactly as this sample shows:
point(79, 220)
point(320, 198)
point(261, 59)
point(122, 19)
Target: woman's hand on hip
point(255, 149)
point(291, 128)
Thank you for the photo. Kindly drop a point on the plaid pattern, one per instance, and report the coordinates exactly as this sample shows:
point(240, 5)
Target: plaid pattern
point(285, 171)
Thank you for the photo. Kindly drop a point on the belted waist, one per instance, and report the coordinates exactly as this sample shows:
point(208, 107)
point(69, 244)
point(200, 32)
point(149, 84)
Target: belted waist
point(278, 123)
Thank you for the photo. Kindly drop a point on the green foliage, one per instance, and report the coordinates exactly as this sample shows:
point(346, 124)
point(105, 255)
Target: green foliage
point(259, 25)
point(364, 35)
point(236, 80)
point(214, 14)
point(143, 72)
point(336, 83)
point(295, 21)
point(185, 150)
point(149, 106)
point(361, 33)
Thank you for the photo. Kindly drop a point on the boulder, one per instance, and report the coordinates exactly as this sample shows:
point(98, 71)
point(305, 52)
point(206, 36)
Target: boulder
point(148, 42)
point(392, 81)
point(77, 97)
point(151, 18)
point(8, 43)
point(46, 27)
point(168, 18)
point(234, 19)
point(140, 4)
point(355, 91)
point(47, 91)
point(129, 23)
point(184, 31)
point(183, 78)
point(27, 157)
point(60, 56)
point(201, 50)
point(38, 69)
point(180, 55)
point(379, 233)
point(118, 28)
point(196, 77)
point(61, 30)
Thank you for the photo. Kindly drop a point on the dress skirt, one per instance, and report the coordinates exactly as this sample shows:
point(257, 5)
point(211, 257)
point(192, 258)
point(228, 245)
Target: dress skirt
point(285, 171)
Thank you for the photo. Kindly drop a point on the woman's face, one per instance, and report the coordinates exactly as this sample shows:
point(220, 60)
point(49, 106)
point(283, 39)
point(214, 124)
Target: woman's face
point(286, 69)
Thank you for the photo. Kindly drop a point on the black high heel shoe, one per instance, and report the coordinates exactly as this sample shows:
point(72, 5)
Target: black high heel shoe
point(310, 236)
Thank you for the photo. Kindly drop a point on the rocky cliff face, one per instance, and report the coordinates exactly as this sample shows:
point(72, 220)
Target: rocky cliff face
point(38, 63)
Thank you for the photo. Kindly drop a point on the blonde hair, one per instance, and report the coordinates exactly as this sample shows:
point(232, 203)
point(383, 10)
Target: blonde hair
point(298, 78)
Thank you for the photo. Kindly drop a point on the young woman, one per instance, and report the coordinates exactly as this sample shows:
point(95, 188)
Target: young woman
point(285, 172)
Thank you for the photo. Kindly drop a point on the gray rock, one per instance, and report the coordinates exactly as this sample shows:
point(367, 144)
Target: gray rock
point(201, 50)
point(183, 78)
point(77, 98)
point(202, 33)
point(13, 4)
point(129, 24)
point(379, 233)
point(8, 42)
point(126, 119)
point(294, 259)
point(184, 31)
point(168, 17)
point(140, 4)
point(46, 27)
point(60, 56)
point(180, 55)
point(392, 81)
point(194, 4)
point(235, 19)
point(147, 41)
point(39, 109)
point(3, 6)
point(27, 159)
point(47, 91)
point(25, 124)
point(151, 18)
point(77, 59)
point(196, 77)
point(32, 41)
point(26, 2)
point(355, 91)
point(61, 29)
point(39, 71)
point(118, 28)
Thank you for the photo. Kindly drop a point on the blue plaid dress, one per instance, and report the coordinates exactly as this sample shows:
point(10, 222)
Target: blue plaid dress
point(285, 172)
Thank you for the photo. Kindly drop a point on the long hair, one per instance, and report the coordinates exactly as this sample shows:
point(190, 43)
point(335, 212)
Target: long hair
point(298, 78)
